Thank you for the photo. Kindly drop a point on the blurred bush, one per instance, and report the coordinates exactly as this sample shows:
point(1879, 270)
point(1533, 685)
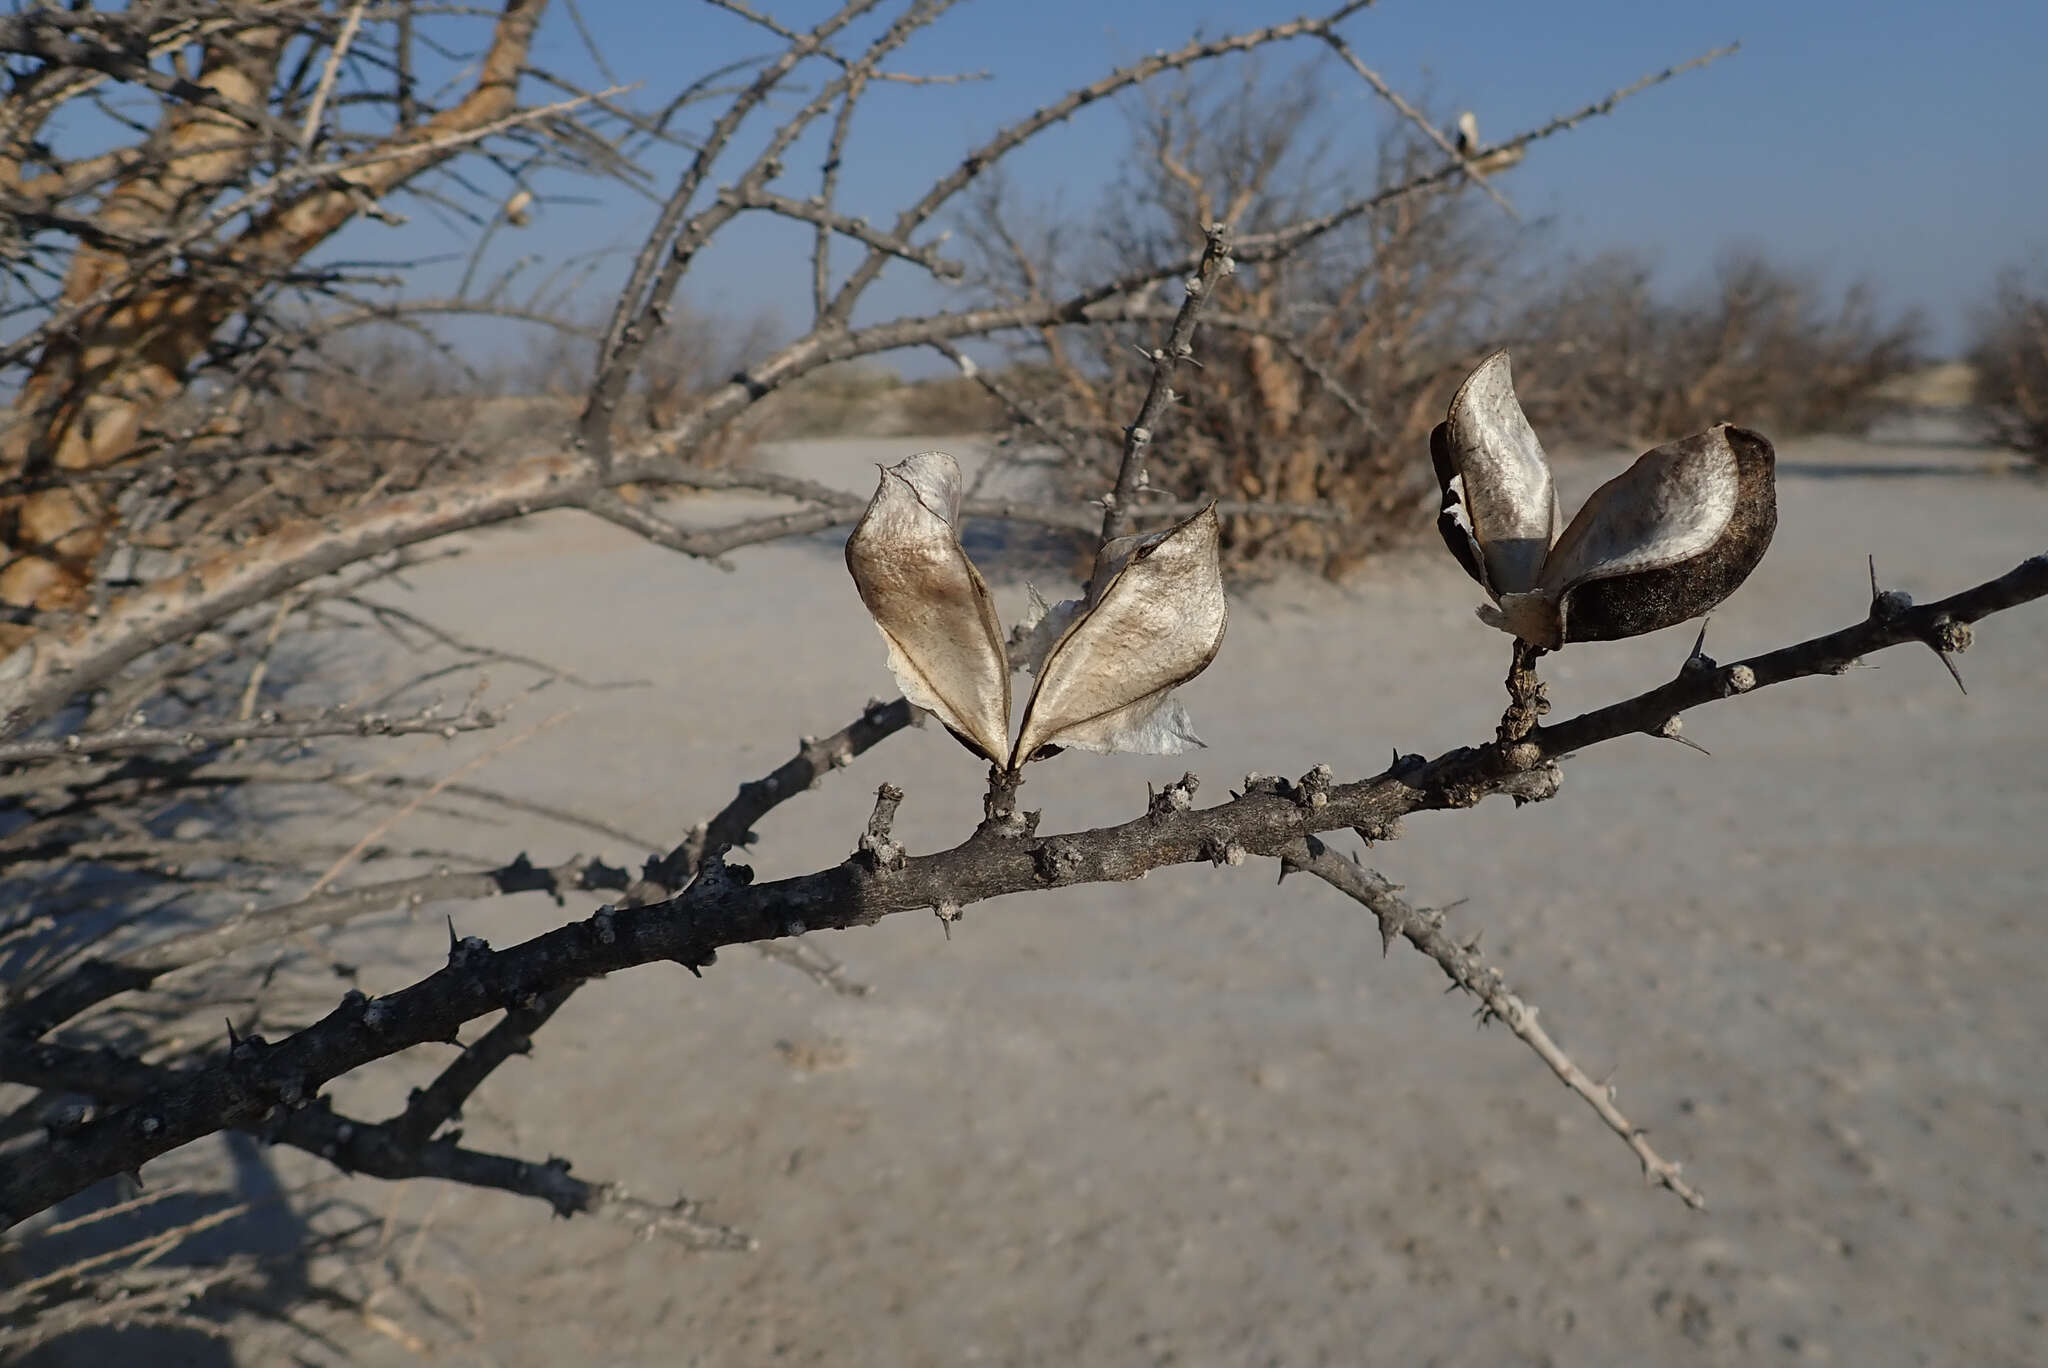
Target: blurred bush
point(1321, 377)
point(1599, 355)
point(867, 399)
point(2009, 352)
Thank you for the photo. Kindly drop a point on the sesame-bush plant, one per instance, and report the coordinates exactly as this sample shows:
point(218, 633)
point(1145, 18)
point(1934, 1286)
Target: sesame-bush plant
point(170, 284)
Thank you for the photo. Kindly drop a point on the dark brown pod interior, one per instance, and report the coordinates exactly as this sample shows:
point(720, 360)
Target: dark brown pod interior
point(1630, 605)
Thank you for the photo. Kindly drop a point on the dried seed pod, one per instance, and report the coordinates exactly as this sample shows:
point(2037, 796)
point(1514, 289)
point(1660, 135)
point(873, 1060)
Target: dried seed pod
point(928, 600)
point(1500, 511)
point(1154, 619)
point(1665, 540)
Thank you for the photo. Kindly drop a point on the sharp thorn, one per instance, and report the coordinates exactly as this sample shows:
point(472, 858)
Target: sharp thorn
point(1673, 730)
point(1953, 672)
point(1700, 641)
point(1874, 590)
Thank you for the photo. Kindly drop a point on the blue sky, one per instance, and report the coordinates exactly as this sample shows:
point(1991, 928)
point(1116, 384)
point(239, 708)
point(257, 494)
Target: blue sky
point(1903, 143)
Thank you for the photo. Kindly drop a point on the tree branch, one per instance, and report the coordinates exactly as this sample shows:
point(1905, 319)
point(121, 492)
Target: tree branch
point(199, 736)
point(1215, 265)
point(1270, 819)
point(97, 980)
point(1462, 965)
point(165, 612)
point(1941, 626)
point(391, 1150)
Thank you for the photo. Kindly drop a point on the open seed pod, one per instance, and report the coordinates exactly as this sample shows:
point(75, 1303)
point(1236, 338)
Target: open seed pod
point(1666, 540)
point(1153, 620)
point(1500, 510)
point(928, 600)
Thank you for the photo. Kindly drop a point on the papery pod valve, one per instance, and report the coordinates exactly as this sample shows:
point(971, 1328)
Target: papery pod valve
point(1107, 664)
point(1154, 619)
point(930, 603)
point(1666, 540)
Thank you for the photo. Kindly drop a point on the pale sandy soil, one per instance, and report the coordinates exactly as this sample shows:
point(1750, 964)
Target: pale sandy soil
point(1199, 1119)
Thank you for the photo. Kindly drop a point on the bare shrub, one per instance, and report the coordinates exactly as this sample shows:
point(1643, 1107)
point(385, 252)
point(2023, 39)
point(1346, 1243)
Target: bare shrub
point(2009, 351)
point(1601, 355)
point(1324, 370)
point(1327, 368)
point(871, 400)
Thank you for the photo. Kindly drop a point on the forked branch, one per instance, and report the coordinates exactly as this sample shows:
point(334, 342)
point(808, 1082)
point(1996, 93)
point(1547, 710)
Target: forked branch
point(1268, 820)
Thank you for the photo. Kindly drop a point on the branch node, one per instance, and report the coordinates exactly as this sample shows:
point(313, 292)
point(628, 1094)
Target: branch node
point(67, 1119)
point(1312, 790)
point(1886, 604)
point(1673, 729)
point(1379, 829)
point(1698, 662)
point(877, 851)
point(1269, 784)
point(1178, 796)
point(1220, 853)
point(1056, 859)
point(467, 951)
point(1948, 638)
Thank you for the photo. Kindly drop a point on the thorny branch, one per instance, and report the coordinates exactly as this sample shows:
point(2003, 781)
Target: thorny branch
point(245, 175)
point(733, 826)
point(405, 1146)
point(199, 736)
point(1267, 820)
point(1462, 964)
point(398, 1149)
point(1215, 266)
point(168, 610)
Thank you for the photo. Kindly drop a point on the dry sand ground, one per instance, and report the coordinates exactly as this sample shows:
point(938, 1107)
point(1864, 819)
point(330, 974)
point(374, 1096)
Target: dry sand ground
point(1198, 1119)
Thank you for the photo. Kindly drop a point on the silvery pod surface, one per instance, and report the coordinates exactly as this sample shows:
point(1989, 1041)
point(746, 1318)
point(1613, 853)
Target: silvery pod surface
point(1106, 664)
point(1664, 541)
point(1153, 620)
point(931, 604)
